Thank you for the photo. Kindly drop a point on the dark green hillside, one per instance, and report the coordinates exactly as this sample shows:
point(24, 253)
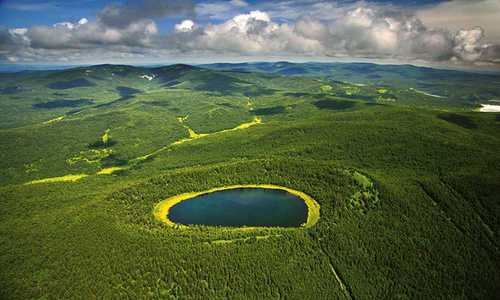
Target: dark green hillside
point(63, 103)
point(63, 85)
point(408, 186)
point(10, 90)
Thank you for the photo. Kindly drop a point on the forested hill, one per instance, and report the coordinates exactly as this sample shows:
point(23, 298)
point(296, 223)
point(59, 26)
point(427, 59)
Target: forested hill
point(453, 83)
point(405, 171)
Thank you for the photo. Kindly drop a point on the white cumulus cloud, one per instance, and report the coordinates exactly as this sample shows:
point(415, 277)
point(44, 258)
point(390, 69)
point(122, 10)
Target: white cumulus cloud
point(185, 26)
point(359, 30)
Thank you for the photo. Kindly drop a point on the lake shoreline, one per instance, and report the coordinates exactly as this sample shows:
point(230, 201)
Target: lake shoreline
point(162, 209)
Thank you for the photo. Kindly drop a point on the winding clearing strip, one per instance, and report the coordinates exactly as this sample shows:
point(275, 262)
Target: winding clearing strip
point(194, 136)
point(65, 178)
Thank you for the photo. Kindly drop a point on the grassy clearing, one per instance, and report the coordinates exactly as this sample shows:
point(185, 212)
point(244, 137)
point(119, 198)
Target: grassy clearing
point(54, 120)
point(105, 137)
point(92, 156)
point(326, 88)
point(161, 210)
point(249, 104)
point(110, 170)
point(194, 136)
point(75, 177)
point(427, 94)
point(182, 119)
point(65, 178)
point(255, 121)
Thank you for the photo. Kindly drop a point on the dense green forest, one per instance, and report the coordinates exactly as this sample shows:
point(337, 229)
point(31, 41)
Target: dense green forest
point(408, 180)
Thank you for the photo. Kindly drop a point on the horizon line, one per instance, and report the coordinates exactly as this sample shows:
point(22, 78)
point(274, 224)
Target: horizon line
point(20, 67)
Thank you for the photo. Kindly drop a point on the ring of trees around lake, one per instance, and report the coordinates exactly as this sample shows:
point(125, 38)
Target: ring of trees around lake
point(161, 210)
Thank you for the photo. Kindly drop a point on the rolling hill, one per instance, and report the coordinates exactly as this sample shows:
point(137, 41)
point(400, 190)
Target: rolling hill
point(404, 167)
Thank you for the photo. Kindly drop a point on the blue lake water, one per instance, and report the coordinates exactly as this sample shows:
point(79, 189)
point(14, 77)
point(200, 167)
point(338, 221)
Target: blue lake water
point(241, 207)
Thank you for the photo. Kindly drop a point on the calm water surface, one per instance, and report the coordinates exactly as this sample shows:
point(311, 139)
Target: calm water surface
point(242, 207)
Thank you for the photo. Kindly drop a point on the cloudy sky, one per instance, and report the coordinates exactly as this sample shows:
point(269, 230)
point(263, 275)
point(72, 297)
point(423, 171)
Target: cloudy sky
point(434, 32)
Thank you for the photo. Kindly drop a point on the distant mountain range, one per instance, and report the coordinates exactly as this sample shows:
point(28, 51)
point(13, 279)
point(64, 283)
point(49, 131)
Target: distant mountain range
point(470, 86)
point(246, 78)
